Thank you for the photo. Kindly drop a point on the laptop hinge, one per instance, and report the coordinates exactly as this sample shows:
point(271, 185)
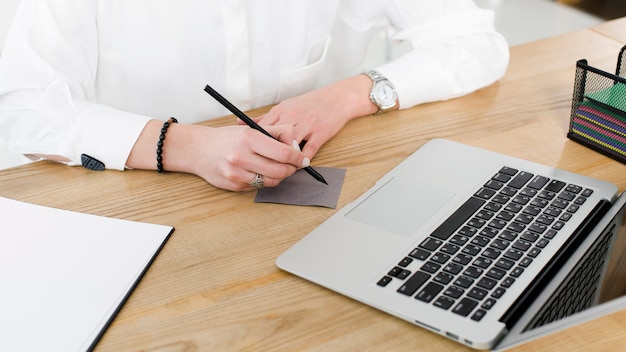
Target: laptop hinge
point(522, 303)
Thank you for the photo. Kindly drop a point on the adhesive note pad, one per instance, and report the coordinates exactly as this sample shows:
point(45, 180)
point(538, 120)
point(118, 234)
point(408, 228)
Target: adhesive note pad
point(65, 275)
point(302, 189)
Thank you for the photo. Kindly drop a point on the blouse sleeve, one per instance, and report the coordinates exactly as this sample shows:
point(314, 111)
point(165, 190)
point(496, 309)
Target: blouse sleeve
point(47, 88)
point(455, 50)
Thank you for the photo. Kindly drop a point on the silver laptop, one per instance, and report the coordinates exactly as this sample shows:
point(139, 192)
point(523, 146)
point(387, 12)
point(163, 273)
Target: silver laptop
point(477, 246)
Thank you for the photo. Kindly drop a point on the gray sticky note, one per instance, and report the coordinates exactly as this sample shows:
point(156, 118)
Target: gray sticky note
point(302, 189)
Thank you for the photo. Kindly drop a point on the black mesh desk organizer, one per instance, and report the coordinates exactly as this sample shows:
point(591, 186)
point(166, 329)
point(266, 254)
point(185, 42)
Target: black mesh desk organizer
point(598, 117)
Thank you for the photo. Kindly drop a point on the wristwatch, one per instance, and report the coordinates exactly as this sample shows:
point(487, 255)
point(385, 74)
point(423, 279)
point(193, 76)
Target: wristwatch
point(383, 93)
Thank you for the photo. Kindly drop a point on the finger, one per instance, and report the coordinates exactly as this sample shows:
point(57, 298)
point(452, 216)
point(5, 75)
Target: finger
point(287, 153)
point(268, 157)
point(255, 119)
point(311, 147)
point(268, 119)
point(267, 181)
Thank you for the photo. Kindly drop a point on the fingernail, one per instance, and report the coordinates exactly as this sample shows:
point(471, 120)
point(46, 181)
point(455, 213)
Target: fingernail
point(296, 146)
point(306, 162)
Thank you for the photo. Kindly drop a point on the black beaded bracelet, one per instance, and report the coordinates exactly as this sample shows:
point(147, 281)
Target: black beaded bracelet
point(159, 150)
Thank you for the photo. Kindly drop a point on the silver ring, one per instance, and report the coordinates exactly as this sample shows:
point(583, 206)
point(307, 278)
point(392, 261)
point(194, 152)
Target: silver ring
point(257, 182)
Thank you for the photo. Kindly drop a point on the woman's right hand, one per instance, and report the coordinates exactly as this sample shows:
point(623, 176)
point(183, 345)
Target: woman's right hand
point(227, 157)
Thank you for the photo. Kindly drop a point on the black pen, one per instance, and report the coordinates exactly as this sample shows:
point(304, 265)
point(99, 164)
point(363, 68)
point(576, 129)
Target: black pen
point(228, 105)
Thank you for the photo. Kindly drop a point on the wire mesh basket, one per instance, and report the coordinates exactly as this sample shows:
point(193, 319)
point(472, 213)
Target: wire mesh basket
point(598, 117)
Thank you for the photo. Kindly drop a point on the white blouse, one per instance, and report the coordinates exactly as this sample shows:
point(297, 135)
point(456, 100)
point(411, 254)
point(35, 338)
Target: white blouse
point(85, 76)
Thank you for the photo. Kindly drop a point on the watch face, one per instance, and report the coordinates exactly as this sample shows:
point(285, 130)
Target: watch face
point(385, 94)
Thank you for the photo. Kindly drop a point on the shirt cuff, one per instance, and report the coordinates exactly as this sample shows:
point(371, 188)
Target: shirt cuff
point(108, 134)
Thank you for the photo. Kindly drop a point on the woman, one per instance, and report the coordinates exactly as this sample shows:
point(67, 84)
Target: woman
point(103, 78)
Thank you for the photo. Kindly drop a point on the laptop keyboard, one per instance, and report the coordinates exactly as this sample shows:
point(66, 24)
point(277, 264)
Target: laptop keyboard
point(470, 261)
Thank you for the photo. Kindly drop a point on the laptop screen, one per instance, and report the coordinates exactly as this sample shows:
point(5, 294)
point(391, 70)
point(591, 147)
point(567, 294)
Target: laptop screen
point(595, 285)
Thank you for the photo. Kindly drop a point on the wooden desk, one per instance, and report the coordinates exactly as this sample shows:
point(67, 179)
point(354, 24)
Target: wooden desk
point(215, 287)
point(613, 29)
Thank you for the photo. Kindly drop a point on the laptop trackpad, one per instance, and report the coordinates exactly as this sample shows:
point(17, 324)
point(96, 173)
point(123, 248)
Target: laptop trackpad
point(400, 206)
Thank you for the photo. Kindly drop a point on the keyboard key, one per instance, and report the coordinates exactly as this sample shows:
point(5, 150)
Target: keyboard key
point(430, 267)
point(453, 268)
point(477, 293)
point(504, 178)
point(464, 282)
point(547, 195)
point(494, 184)
point(496, 273)
point(508, 191)
point(532, 210)
point(560, 203)
point(465, 211)
point(488, 303)
point(405, 262)
point(555, 186)
point(504, 263)
point(567, 196)
point(443, 278)
point(465, 307)
point(538, 228)
point(487, 283)
point(414, 283)
point(508, 282)
point(491, 206)
point(522, 245)
point(513, 254)
point(431, 244)
point(520, 179)
point(511, 208)
point(542, 243)
point(550, 234)
point(528, 192)
point(492, 253)
point(500, 244)
point(440, 258)
point(473, 272)
point(459, 240)
point(509, 212)
point(529, 236)
point(485, 193)
point(462, 259)
point(508, 235)
point(480, 241)
point(454, 291)
point(384, 281)
point(534, 252)
point(471, 249)
point(573, 188)
point(420, 254)
point(450, 248)
point(520, 199)
point(489, 232)
point(444, 302)
point(517, 271)
point(403, 274)
point(479, 314)
point(498, 292)
point(429, 292)
point(482, 262)
point(395, 271)
point(525, 262)
point(508, 171)
point(538, 182)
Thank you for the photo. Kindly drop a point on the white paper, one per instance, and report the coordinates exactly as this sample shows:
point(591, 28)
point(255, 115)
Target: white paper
point(63, 274)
